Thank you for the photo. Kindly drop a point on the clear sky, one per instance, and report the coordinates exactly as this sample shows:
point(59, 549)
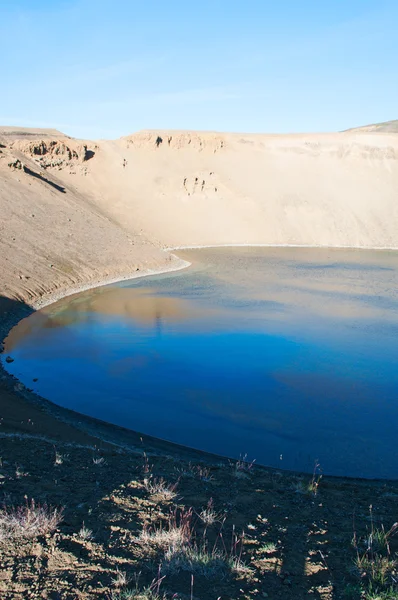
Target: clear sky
point(106, 68)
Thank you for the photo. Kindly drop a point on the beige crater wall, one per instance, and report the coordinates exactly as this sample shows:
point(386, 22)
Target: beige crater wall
point(125, 201)
point(200, 189)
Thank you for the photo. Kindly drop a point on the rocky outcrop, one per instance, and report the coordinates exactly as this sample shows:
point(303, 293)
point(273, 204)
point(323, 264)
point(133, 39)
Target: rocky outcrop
point(56, 153)
point(15, 164)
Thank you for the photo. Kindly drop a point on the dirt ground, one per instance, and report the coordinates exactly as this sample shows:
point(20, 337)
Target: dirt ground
point(286, 538)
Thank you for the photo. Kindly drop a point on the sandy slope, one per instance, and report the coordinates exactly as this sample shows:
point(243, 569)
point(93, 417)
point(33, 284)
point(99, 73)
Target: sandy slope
point(103, 209)
point(52, 238)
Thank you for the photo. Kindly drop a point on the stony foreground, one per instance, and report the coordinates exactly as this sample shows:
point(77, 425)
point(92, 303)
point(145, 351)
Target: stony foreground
point(116, 523)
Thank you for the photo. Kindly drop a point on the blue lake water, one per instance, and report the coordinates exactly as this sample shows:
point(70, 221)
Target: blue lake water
point(287, 355)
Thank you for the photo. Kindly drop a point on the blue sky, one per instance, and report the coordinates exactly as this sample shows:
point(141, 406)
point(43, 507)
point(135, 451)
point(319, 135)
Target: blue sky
point(102, 68)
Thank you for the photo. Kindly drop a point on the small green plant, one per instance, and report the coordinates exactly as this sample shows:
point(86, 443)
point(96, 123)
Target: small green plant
point(268, 548)
point(377, 569)
point(379, 539)
point(376, 565)
point(373, 594)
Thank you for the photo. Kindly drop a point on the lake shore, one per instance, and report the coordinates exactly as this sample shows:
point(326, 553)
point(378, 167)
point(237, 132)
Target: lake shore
point(99, 472)
point(32, 407)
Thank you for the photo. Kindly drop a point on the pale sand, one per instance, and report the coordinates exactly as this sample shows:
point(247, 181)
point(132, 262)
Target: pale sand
point(126, 202)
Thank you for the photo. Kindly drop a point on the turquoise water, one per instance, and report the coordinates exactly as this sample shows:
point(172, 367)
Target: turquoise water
point(286, 355)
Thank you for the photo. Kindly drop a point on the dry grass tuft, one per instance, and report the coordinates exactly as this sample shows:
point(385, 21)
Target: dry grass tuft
point(243, 468)
point(121, 579)
point(197, 561)
point(151, 592)
point(29, 521)
point(209, 516)
point(181, 553)
point(160, 488)
point(176, 534)
point(59, 458)
point(146, 594)
point(85, 533)
point(191, 471)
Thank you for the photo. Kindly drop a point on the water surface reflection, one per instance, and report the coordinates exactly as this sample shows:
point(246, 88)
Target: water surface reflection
point(270, 351)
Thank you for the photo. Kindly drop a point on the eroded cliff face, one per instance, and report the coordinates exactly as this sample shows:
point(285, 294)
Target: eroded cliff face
point(56, 153)
point(178, 140)
point(75, 211)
